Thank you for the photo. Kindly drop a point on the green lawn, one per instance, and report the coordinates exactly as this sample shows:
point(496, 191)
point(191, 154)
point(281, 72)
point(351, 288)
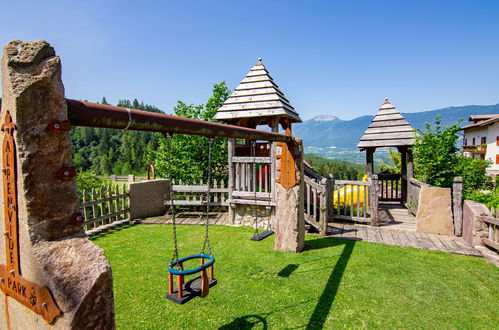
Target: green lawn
point(332, 284)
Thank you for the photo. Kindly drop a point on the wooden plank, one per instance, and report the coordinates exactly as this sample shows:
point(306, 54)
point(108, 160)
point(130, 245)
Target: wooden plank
point(374, 235)
point(386, 236)
point(252, 98)
point(438, 244)
point(349, 182)
point(490, 243)
point(411, 238)
point(259, 91)
point(401, 237)
point(396, 238)
point(350, 218)
point(250, 202)
point(389, 129)
point(257, 78)
point(349, 232)
point(387, 136)
point(450, 245)
point(361, 233)
point(386, 143)
point(470, 251)
point(389, 123)
point(314, 184)
point(263, 84)
point(425, 241)
point(391, 117)
point(489, 220)
point(266, 160)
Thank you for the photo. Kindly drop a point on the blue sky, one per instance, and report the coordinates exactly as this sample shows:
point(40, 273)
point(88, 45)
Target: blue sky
point(329, 57)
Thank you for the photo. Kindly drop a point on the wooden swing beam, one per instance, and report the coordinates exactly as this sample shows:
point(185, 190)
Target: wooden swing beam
point(89, 114)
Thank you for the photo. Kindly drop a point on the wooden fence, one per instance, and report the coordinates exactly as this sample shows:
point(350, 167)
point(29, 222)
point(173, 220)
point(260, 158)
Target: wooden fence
point(354, 200)
point(315, 204)
point(390, 187)
point(330, 199)
point(105, 206)
point(192, 194)
point(413, 189)
point(492, 241)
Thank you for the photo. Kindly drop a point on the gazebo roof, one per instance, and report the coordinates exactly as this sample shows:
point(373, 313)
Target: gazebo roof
point(388, 129)
point(257, 96)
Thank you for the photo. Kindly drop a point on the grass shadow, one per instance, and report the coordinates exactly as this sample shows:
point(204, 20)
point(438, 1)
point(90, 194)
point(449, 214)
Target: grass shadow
point(112, 230)
point(286, 271)
point(246, 322)
point(323, 306)
point(322, 243)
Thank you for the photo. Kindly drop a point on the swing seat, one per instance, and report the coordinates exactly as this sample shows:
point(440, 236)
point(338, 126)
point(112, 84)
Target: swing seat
point(197, 287)
point(263, 235)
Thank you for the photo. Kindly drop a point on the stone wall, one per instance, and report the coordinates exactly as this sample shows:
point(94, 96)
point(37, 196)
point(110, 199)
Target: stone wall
point(474, 229)
point(147, 198)
point(54, 252)
point(434, 214)
point(245, 216)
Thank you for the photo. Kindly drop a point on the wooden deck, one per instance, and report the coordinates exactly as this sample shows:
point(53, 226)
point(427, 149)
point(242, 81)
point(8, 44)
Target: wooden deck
point(395, 216)
point(385, 235)
point(190, 218)
point(393, 233)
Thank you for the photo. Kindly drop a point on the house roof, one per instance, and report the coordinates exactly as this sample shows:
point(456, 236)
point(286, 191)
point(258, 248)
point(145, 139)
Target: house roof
point(487, 120)
point(257, 96)
point(388, 129)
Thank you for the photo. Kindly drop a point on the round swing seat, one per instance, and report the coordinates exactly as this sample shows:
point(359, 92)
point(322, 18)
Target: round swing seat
point(172, 270)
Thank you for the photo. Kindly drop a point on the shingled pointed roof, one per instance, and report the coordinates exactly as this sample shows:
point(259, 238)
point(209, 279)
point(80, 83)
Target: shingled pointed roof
point(257, 96)
point(388, 129)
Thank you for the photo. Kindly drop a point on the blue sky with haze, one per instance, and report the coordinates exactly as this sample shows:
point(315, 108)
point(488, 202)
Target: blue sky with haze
point(338, 58)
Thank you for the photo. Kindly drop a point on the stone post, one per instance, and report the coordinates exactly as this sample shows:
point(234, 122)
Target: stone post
point(373, 200)
point(290, 213)
point(457, 205)
point(230, 153)
point(328, 204)
point(55, 254)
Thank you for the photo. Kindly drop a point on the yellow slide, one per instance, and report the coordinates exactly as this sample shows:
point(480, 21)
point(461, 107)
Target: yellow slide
point(351, 194)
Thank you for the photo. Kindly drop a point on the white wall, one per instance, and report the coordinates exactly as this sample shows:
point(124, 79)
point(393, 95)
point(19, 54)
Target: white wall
point(491, 132)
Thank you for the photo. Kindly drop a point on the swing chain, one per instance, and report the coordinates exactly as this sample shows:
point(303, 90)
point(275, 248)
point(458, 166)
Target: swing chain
point(254, 207)
point(206, 242)
point(175, 258)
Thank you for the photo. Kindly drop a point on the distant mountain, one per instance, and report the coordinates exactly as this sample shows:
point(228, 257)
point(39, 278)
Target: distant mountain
point(331, 137)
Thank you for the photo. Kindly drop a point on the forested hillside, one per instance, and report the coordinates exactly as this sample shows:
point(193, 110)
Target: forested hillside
point(341, 170)
point(109, 151)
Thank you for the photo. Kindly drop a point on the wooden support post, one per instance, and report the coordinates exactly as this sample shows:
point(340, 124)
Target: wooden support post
point(170, 283)
point(410, 164)
point(230, 146)
point(327, 195)
point(180, 285)
point(370, 162)
point(457, 205)
point(403, 171)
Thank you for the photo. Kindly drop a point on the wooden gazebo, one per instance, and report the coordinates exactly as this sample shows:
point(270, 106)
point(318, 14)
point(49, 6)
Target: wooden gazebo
point(256, 101)
point(390, 129)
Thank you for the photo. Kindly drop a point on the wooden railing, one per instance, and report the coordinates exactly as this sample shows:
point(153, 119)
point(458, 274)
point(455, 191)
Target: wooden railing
point(413, 189)
point(191, 194)
point(253, 179)
point(315, 203)
point(105, 206)
point(390, 187)
point(354, 200)
point(492, 241)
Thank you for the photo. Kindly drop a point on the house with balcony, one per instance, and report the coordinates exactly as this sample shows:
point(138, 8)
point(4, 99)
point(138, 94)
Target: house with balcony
point(481, 140)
